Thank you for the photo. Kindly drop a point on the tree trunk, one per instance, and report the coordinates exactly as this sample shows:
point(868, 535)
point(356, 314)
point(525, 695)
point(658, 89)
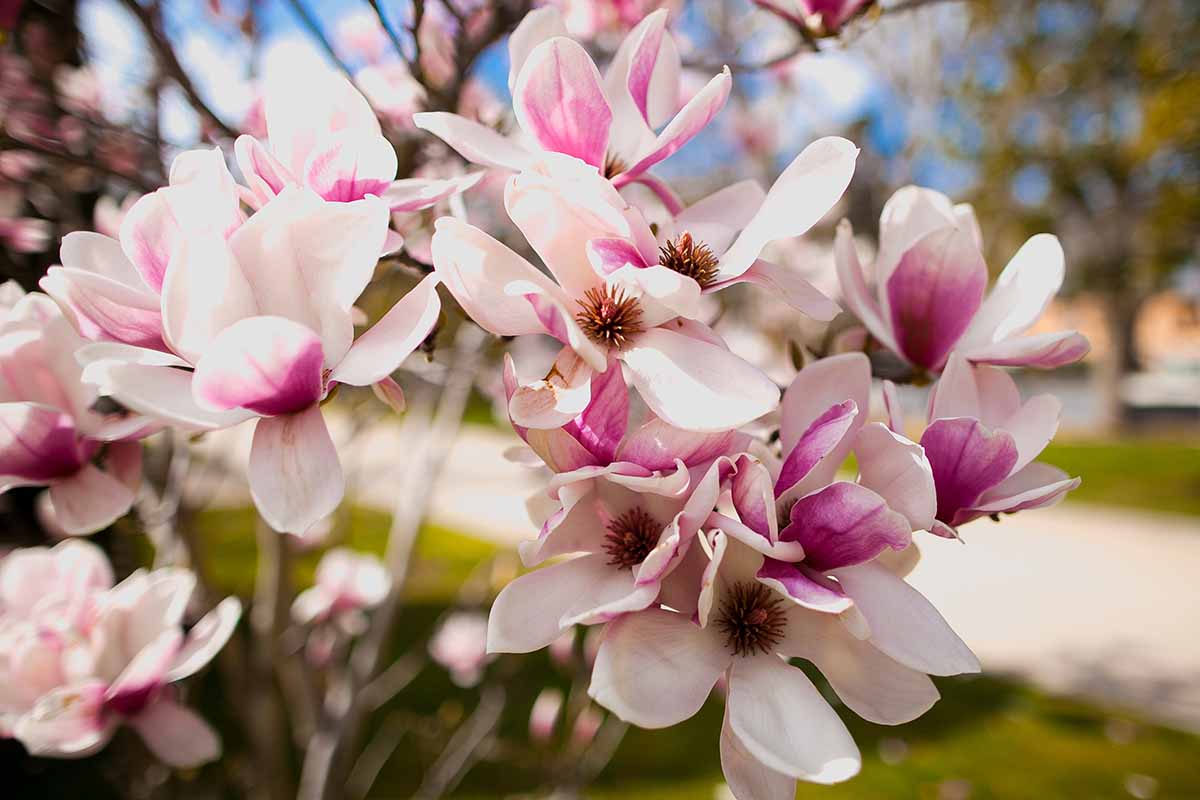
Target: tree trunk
point(1120, 314)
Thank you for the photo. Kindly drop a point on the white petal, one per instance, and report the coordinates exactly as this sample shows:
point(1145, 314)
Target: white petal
point(295, 476)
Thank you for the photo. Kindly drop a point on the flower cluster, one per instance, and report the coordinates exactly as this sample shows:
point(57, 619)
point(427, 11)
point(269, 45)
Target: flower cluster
point(694, 509)
point(81, 657)
point(710, 553)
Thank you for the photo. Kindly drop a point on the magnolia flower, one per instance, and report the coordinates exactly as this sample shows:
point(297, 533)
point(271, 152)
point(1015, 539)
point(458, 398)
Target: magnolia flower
point(716, 242)
point(49, 434)
point(260, 326)
point(564, 104)
point(657, 667)
point(982, 442)
point(930, 279)
point(45, 596)
point(324, 135)
point(826, 17)
point(347, 584)
point(602, 311)
point(111, 289)
point(135, 652)
point(630, 504)
point(816, 530)
point(460, 646)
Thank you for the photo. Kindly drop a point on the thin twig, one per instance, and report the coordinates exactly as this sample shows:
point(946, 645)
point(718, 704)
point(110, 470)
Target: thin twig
point(461, 752)
point(375, 756)
point(387, 28)
point(11, 143)
point(170, 64)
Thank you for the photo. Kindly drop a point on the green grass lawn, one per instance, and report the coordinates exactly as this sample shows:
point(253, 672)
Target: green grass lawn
point(998, 738)
point(1151, 474)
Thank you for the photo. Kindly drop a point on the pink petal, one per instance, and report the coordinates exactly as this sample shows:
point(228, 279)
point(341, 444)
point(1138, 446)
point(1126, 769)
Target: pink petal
point(822, 437)
point(844, 524)
point(269, 365)
point(266, 174)
point(527, 614)
point(154, 604)
point(102, 309)
point(655, 669)
point(1021, 294)
point(37, 442)
point(718, 218)
point(539, 25)
point(753, 494)
point(177, 735)
point(745, 774)
point(967, 460)
point(559, 100)
point(350, 165)
point(785, 284)
point(933, 293)
point(390, 393)
point(872, 685)
point(295, 476)
point(1035, 486)
point(385, 346)
point(1042, 350)
point(690, 120)
point(306, 107)
point(601, 426)
point(414, 194)
point(695, 385)
point(857, 297)
point(607, 255)
point(656, 445)
point(806, 586)
point(204, 292)
point(784, 722)
point(910, 214)
point(898, 471)
point(804, 193)
point(162, 393)
point(557, 448)
point(205, 639)
point(553, 401)
point(903, 624)
point(309, 260)
point(67, 722)
point(474, 142)
point(138, 683)
point(90, 500)
point(478, 270)
point(653, 77)
point(892, 407)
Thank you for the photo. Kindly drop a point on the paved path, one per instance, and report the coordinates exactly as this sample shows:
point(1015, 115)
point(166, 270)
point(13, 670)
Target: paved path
point(1101, 603)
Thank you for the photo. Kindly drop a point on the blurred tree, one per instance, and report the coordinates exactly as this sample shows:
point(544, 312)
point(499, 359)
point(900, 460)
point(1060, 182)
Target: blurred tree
point(1087, 127)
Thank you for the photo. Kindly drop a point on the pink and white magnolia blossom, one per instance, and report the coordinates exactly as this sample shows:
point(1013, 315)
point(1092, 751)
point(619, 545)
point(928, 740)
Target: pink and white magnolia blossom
point(716, 242)
point(322, 134)
point(982, 442)
point(347, 584)
point(566, 106)
point(628, 503)
point(259, 326)
point(818, 533)
point(49, 433)
point(604, 312)
point(109, 656)
point(657, 667)
point(930, 281)
point(460, 646)
point(45, 597)
point(111, 289)
point(826, 17)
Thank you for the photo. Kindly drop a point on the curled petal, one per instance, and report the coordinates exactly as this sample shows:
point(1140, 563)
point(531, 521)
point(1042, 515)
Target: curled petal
point(383, 348)
point(845, 524)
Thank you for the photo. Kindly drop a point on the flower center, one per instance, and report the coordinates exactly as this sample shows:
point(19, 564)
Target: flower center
point(752, 619)
point(631, 537)
point(609, 317)
point(691, 258)
point(614, 166)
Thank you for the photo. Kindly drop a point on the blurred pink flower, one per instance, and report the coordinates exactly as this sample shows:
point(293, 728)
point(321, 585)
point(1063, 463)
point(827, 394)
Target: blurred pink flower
point(49, 434)
point(543, 716)
point(460, 646)
point(347, 584)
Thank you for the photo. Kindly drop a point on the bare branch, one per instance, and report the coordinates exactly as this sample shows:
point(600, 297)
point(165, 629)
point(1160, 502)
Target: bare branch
point(10, 143)
point(387, 28)
point(462, 751)
point(170, 64)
